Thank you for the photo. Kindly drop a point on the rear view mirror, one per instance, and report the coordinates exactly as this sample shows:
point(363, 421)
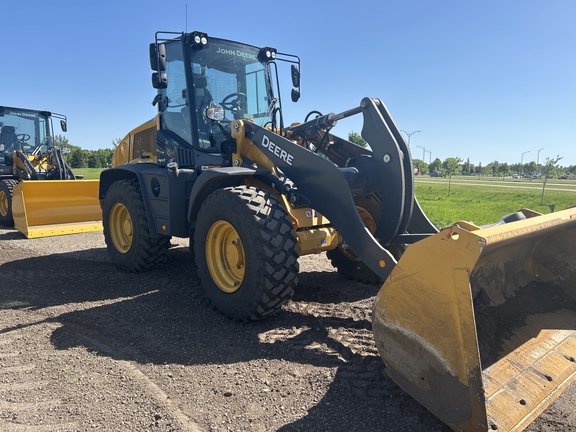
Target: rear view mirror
point(157, 57)
point(295, 76)
point(63, 125)
point(159, 80)
point(295, 95)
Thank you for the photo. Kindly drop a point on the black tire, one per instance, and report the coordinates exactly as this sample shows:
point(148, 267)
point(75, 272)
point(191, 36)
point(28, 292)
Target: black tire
point(246, 253)
point(126, 229)
point(6, 188)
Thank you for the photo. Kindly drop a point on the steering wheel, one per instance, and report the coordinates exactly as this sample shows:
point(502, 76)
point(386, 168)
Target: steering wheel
point(232, 101)
point(22, 137)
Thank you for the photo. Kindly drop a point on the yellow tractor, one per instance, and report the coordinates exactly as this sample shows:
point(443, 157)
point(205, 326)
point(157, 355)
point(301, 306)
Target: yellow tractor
point(477, 323)
point(36, 194)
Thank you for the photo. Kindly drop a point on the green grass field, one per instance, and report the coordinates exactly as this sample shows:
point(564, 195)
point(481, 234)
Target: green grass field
point(485, 201)
point(89, 173)
point(478, 200)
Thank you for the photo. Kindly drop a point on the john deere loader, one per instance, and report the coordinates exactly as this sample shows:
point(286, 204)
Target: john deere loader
point(37, 195)
point(477, 323)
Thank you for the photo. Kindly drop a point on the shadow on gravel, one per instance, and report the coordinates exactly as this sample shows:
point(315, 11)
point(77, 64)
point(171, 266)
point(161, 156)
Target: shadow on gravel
point(161, 317)
point(11, 235)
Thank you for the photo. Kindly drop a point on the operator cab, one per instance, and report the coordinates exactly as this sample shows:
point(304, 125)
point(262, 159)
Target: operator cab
point(195, 74)
point(26, 130)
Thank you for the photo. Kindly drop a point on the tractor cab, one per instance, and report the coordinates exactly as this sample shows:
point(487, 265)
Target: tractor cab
point(27, 131)
point(196, 75)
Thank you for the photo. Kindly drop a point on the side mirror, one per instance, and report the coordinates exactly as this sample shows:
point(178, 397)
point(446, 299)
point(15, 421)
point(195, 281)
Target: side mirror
point(159, 80)
point(157, 57)
point(63, 125)
point(295, 95)
point(295, 76)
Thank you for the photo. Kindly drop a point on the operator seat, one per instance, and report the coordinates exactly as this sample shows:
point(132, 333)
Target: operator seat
point(203, 100)
point(8, 137)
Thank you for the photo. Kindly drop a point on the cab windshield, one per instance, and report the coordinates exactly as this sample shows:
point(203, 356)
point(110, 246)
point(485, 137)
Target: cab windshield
point(230, 75)
point(222, 73)
point(22, 129)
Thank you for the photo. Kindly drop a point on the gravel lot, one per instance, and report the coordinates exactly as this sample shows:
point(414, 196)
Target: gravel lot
point(84, 346)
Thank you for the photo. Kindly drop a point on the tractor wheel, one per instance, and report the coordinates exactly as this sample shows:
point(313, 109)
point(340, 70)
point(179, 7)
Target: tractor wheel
point(126, 229)
point(344, 260)
point(6, 187)
point(246, 252)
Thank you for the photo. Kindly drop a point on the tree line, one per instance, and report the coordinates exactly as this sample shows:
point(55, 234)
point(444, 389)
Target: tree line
point(450, 166)
point(102, 158)
point(81, 158)
point(454, 165)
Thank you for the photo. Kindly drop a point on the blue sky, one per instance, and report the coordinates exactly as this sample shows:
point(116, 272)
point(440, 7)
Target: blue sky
point(485, 80)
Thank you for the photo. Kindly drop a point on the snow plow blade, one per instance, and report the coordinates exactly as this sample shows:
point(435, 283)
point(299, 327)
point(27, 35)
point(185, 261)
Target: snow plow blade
point(44, 208)
point(479, 324)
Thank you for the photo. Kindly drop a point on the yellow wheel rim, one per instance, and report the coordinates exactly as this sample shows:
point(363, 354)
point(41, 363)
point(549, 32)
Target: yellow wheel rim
point(121, 228)
point(225, 256)
point(3, 203)
point(370, 224)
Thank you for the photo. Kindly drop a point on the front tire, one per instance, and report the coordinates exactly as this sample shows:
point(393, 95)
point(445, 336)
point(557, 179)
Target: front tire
point(343, 258)
point(126, 230)
point(6, 188)
point(246, 252)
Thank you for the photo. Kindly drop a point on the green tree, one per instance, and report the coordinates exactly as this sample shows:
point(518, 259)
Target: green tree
point(105, 156)
point(94, 160)
point(451, 166)
point(421, 165)
point(488, 169)
point(530, 168)
point(495, 167)
point(77, 158)
point(550, 169)
point(60, 141)
point(435, 165)
point(503, 170)
point(354, 137)
point(467, 167)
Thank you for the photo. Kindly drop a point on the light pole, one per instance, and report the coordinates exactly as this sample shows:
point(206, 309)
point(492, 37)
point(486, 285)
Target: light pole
point(430, 156)
point(538, 159)
point(521, 160)
point(423, 152)
point(409, 135)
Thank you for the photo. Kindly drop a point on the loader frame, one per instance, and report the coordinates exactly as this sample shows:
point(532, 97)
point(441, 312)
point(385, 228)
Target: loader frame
point(246, 196)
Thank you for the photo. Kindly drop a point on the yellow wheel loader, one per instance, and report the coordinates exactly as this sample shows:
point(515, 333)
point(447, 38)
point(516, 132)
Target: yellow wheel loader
point(36, 194)
point(477, 323)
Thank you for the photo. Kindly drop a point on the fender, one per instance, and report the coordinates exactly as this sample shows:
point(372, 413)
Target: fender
point(162, 191)
point(212, 179)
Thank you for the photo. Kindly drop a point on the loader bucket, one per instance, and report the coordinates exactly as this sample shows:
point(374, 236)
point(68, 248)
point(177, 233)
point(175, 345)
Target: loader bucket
point(43, 208)
point(479, 325)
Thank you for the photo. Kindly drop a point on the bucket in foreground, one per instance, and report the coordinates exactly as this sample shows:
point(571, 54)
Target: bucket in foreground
point(43, 208)
point(479, 325)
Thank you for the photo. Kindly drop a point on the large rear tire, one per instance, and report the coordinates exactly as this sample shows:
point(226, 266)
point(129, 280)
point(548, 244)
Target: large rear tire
point(246, 252)
point(6, 188)
point(126, 229)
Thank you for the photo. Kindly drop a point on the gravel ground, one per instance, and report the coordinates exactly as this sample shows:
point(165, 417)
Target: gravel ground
point(84, 346)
